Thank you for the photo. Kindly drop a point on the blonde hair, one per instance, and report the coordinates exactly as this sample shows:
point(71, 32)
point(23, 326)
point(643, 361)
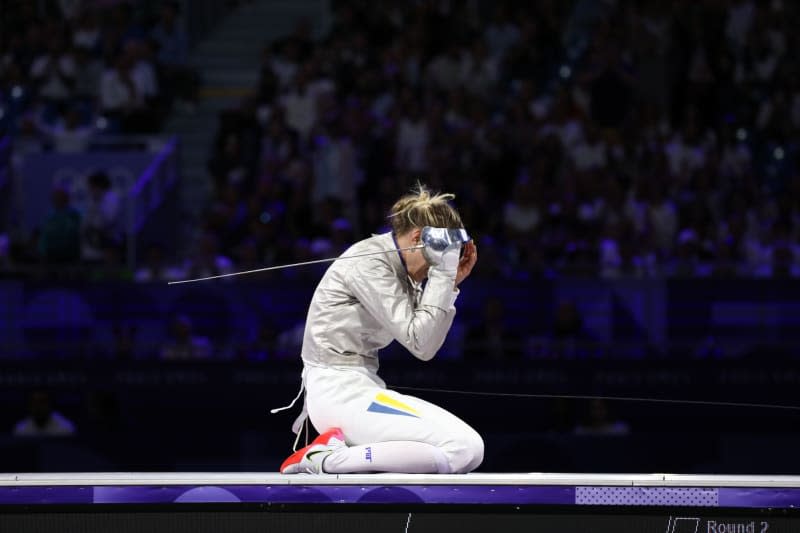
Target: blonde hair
point(422, 208)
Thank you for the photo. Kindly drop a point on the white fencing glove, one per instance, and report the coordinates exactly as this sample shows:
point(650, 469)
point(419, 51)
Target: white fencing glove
point(449, 262)
point(443, 247)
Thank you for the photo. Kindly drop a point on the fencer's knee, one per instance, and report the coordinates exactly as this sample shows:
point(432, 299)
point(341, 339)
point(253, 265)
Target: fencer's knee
point(476, 452)
point(466, 453)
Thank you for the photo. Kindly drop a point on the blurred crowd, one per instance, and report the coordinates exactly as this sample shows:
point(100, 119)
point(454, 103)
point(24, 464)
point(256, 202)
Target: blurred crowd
point(70, 69)
point(585, 138)
point(610, 138)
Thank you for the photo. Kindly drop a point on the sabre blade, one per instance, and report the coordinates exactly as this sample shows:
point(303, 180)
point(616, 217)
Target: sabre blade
point(292, 265)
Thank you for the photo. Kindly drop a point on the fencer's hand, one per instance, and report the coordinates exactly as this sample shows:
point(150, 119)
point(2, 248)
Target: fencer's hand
point(467, 261)
point(449, 261)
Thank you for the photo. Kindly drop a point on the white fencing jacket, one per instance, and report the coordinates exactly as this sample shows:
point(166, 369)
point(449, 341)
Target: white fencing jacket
point(361, 305)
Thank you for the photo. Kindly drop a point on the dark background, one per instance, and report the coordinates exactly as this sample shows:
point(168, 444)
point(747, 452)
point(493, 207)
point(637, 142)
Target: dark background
point(198, 520)
point(628, 170)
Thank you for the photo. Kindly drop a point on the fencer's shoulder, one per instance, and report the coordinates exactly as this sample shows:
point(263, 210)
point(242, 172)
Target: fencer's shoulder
point(374, 243)
point(382, 261)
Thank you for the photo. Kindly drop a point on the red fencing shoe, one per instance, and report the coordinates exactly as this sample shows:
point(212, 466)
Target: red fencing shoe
point(309, 460)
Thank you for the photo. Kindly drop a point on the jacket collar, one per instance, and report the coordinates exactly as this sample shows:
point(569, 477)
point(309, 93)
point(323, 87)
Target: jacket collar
point(398, 263)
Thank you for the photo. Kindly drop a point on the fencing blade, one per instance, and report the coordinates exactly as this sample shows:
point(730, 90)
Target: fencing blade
point(293, 265)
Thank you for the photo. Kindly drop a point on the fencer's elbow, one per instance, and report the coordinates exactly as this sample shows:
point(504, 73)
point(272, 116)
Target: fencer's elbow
point(424, 355)
point(421, 352)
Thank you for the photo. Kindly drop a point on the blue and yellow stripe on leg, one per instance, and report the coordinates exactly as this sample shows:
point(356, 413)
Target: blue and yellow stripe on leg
point(387, 405)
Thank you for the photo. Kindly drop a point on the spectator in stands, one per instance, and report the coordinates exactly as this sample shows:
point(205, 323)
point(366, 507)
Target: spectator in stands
point(521, 219)
point(70, 9)
point(412, 138)
point(283, 62)
point(780, 254)
point(120, 100)
point(663, 218)
point(145, 77)
point(228, 218)
point(590, 152)
point(336, 169)
point(687, 261)
point(610, 251)
point(53, 72)
point(68, 134)
point(444, 70)
point(122, 24)
point(129, 90)
point(300, 100)
point(184, 344)
point(479, 70)
point(87, 32)
point(228, 165)
point(173, 58)
point(88, 73)
point(207, 261)
point(156, 268)
point(247, 255)
point(278, 143)
point(100, 225)
point(335, 240)
point(43, 420)
point(60, 235)
point(521, 215)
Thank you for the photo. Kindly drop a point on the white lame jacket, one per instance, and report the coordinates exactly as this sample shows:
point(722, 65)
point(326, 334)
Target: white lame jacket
point(362, 304)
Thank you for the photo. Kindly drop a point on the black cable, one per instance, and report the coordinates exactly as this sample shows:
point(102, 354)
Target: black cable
point(607, 398)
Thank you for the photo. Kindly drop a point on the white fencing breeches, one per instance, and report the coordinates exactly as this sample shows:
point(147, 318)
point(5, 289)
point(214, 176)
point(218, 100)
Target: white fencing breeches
point(387, 431)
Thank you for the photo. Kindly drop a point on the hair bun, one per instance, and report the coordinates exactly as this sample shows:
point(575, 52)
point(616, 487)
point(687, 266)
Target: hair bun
point(421, 208)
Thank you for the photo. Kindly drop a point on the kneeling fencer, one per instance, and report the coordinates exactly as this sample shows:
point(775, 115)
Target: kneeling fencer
point(361, 306)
